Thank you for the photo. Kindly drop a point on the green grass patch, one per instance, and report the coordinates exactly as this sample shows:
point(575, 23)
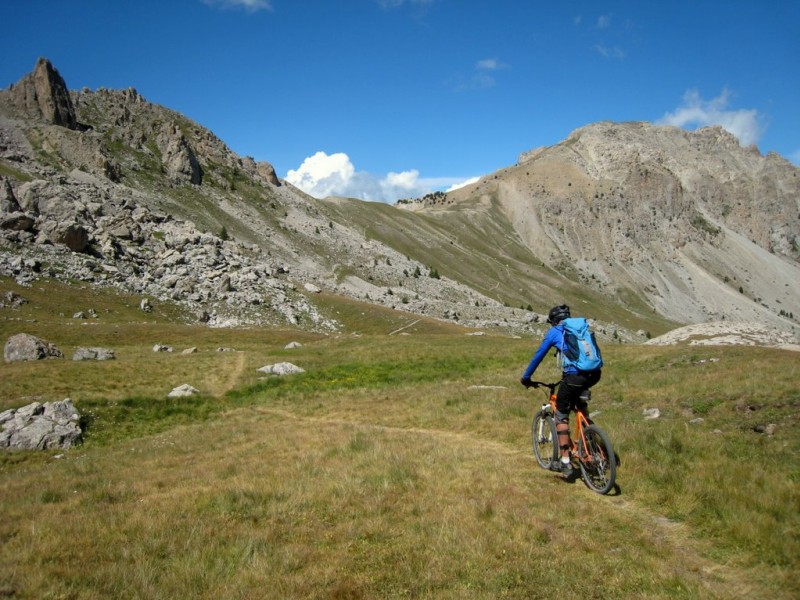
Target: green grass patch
point(8, 170)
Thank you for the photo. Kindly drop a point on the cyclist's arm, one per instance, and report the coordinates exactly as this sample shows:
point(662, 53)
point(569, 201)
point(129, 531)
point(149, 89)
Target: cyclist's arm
point(550, 339)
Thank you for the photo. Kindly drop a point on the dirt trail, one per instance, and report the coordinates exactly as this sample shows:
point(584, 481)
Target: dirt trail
point(720, 580)
point(230, 382)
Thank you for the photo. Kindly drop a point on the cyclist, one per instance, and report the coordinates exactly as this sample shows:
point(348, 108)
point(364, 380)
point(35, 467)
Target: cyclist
point(571, 391)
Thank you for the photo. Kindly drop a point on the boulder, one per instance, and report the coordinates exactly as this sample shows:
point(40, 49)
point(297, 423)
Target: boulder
point(12, 300)
point(73, 236)
point(182, 391)
point(93, 354)
point(40, 426)
point(280, 369)
point(8, 201)
point(23, 346)
point(17, 221)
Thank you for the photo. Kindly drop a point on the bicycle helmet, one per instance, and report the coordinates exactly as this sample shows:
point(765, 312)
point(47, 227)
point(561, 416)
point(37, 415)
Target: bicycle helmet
point(558, 314)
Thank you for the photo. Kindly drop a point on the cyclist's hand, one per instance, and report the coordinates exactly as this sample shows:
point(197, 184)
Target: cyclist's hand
point(535, 385)
point(526, 382)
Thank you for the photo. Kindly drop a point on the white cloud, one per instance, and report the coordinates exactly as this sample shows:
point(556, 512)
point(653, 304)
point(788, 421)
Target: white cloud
point(250, 6)
point(603, 22)
point(323, 175)
point(482, 76)
point(746, 124)
point(464, 183)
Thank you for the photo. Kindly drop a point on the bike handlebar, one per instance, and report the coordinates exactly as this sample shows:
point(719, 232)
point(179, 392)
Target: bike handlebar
point(551, 386)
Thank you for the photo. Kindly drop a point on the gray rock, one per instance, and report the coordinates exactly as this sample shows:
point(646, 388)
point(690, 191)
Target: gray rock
point(12, 300)
point(183, 391)
point(651, 413)
point(17, 221)
point(23, 346)
point(93, 354)
point(44, 94)
point(280, 369)
point(73, 236)
point(8, 201)
point(41, 426)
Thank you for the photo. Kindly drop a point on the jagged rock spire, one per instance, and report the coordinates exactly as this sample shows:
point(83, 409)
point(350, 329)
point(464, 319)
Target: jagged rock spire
point(44, 93)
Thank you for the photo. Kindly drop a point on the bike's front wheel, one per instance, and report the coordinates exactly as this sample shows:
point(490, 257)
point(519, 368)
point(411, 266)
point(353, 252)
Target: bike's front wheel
point(597, 460)
point(543, 436)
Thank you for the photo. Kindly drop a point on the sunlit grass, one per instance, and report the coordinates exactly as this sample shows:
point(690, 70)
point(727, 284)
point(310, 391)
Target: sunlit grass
point(396, 466)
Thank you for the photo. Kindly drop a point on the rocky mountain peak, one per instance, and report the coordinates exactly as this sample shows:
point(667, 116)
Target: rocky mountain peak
point(644, 224)
point(43, 94)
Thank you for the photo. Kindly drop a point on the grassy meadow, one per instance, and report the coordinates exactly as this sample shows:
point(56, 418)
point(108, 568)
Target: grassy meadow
point(398, 466)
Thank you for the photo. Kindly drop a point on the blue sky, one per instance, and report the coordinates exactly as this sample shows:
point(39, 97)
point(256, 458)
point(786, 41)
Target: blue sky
point(388, 99)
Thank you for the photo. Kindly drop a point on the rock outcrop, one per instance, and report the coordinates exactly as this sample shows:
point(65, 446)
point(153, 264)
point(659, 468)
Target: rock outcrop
point(40, 426)
point(44, 95)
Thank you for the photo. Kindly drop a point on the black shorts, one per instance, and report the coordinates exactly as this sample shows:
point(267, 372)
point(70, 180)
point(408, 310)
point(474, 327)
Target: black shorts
point(569, 393)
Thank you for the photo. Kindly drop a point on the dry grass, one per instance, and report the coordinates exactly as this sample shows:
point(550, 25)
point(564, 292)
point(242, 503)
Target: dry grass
point(261, 504)
point(384, 473)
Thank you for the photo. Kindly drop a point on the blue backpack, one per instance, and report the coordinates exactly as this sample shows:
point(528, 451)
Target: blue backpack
point(580, 347)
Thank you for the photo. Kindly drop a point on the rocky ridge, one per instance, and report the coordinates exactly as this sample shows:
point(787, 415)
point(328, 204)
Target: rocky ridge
point(140, 198)
point(689, 224)
point(640, 218)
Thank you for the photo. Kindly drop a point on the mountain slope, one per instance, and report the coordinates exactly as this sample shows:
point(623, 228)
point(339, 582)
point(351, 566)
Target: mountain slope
point(690, 225)
point(637, 226)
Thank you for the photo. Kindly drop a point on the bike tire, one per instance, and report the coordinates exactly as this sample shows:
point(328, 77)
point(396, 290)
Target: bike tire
point(597, 460)
point(544, 439)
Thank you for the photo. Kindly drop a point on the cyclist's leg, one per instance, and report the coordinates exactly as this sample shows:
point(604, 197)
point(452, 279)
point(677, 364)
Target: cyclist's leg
point(566, 399)
point(562, 432)
point(586, 381)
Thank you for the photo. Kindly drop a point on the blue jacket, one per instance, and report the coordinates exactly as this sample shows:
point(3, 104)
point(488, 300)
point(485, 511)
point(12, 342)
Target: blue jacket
point(554, 338)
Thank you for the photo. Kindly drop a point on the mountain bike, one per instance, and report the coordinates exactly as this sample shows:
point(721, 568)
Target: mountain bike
point(590, 447)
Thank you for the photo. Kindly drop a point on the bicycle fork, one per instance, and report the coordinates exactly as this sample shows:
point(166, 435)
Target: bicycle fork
point(541, 435)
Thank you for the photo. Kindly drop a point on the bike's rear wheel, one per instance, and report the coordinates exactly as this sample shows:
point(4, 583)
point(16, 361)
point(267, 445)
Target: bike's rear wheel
point(597, 460)
point(543, 436)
